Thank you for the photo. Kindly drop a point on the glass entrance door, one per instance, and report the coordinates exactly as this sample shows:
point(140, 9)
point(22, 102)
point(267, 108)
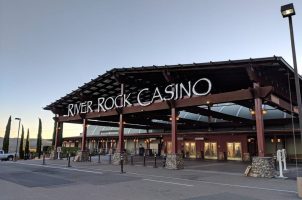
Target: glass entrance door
point(234, 151)
point(210, 150)
point(190, 150)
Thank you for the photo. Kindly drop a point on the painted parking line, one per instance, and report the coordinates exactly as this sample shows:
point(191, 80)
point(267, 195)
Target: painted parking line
point(167, 182)
point(248, 187)
point(222, 184)
point(60, 167)
point(214, 172)
point(206, 165)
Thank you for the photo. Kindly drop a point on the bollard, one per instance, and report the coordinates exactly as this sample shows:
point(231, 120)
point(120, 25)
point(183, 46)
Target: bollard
point(155, 166)
point(90, 157)
point(43, 158)
point(68, 165)
point(164, 161)
point(144, 160)
point(99, 160)
point(122, 163)
point(109, 158)
point(131, 160)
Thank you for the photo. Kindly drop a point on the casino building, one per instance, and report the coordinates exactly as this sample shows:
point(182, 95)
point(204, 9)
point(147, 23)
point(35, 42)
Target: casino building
point(229, 110)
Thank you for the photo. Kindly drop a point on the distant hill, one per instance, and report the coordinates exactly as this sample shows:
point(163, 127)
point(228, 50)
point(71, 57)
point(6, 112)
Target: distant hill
point(32, 143)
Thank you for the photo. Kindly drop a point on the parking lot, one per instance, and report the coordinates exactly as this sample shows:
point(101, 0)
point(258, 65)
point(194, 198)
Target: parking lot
point(92, 180)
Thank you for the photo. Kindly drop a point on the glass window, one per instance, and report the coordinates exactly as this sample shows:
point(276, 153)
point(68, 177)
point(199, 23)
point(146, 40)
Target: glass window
point(190, 150)
point(234, 151)
point(210, 150)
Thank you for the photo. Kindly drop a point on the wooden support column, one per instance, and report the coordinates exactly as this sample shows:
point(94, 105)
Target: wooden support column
point(57, 135)
point(121, 134)
point(121, 123)
point(259, 124)
point(59, 127)
point(174, 160)
point(84, 135)
point(174, 129)
point(209, 119)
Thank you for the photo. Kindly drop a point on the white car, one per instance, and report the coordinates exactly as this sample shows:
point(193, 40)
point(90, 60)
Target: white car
point(6, 156)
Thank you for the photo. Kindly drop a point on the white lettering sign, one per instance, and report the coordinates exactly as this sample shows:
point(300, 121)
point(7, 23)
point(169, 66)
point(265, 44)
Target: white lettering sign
point(201, 87)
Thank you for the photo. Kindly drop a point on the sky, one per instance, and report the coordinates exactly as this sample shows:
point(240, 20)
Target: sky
point(50, 47)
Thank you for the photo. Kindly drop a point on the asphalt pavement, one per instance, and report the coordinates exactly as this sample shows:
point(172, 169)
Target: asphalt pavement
point(92, 180)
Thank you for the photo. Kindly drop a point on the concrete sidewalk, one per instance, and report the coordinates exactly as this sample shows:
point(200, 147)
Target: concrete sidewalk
point(219, 167)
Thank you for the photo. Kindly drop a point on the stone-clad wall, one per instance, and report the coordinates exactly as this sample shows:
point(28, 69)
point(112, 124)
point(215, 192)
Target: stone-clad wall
point(263, 167)
point(82, 156)
point(174, 161)
point(116, 158)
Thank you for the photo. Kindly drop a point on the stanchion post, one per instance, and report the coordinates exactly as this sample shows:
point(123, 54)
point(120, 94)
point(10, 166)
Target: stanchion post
point(155, 166)
point(164, 162)
point(68, 165)
point(110, 158)
point(122, 163)
point(131, 160)
point(99, 160)
point(275, 162)
point(144, 163)
point(43, 158)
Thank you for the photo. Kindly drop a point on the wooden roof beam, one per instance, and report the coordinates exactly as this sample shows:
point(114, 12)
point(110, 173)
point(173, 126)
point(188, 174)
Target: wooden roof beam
point(238, 95)
point(274, 101)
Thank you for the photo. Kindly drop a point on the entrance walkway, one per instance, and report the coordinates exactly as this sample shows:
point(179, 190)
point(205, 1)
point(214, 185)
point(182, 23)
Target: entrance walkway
point(232, 168)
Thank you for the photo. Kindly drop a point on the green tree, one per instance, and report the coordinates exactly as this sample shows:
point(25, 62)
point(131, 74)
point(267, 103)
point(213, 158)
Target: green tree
point(21, 148)
point(27, 145)
point(54, 134)
point(5, 145)
point(39, 139)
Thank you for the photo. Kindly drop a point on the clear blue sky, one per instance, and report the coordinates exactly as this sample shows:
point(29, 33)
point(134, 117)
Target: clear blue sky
point(50, 47)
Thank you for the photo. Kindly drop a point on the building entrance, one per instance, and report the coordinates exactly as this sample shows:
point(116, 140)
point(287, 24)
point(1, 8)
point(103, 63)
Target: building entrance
point(190, 150)
point(234, 151)
point(210, 150)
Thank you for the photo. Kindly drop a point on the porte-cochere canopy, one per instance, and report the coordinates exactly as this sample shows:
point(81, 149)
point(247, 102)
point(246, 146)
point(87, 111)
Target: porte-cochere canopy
point(232, 81)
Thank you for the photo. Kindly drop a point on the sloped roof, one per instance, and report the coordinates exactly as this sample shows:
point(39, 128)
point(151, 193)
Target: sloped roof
point(136, 78)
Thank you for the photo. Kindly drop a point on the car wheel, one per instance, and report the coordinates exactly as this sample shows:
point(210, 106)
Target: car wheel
point(10, 158)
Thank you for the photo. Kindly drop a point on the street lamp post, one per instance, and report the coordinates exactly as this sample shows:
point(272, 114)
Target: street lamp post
point(288, 11)
point(19, 119)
